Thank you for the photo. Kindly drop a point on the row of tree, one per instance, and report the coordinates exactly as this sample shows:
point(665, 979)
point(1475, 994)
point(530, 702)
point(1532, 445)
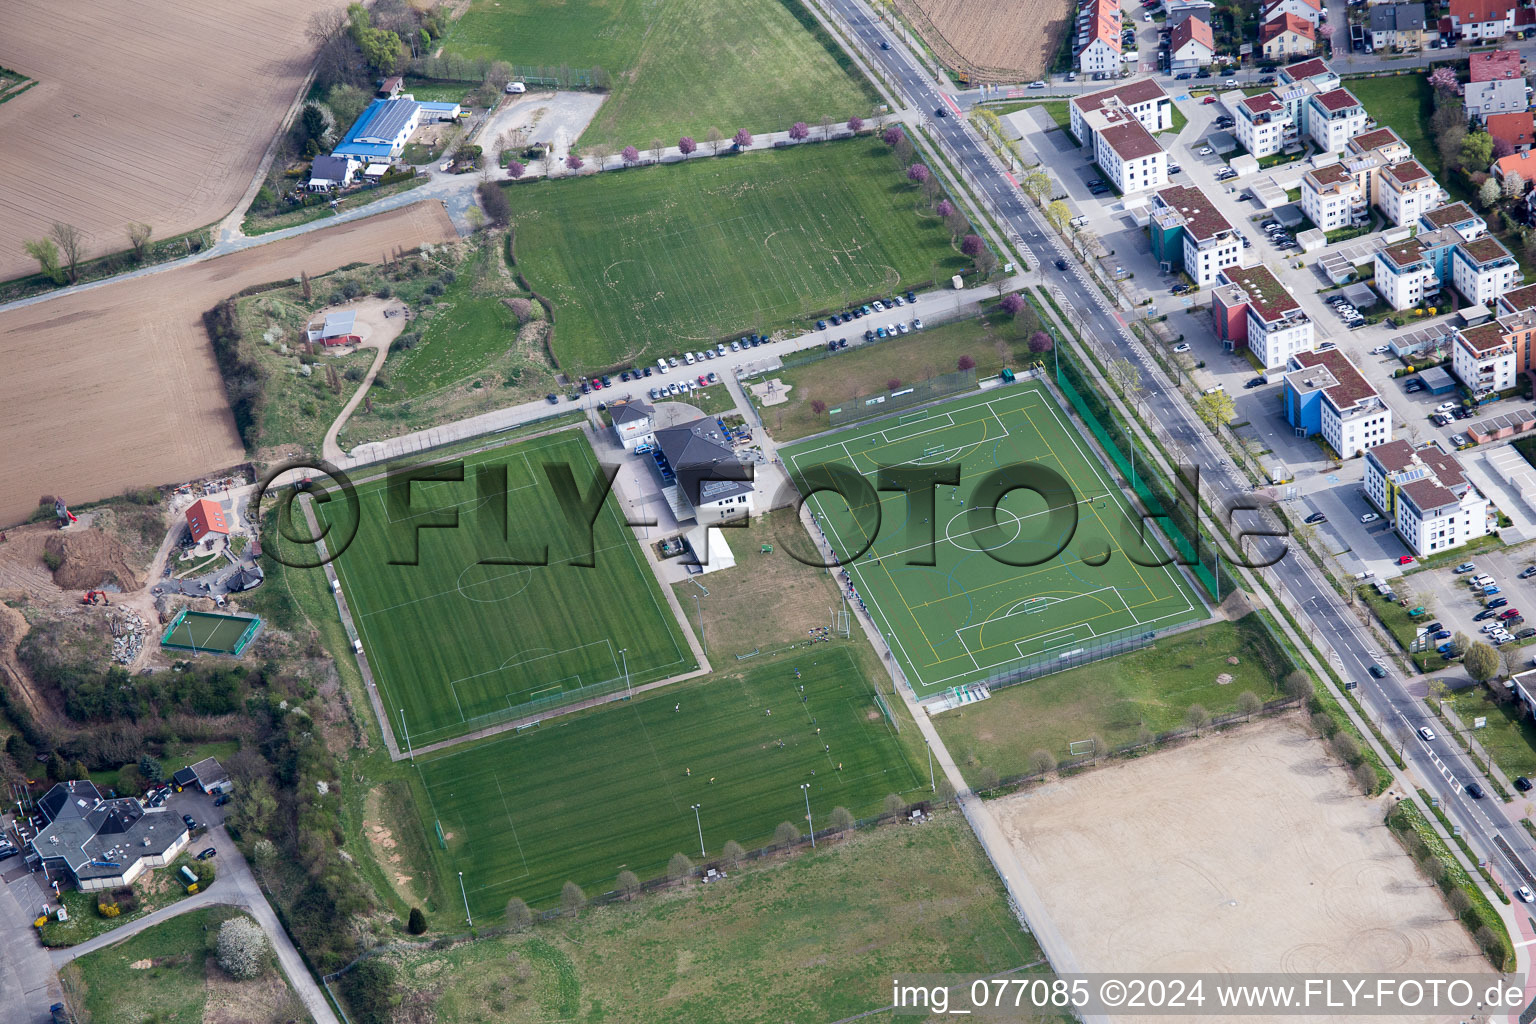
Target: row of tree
point(60, 252)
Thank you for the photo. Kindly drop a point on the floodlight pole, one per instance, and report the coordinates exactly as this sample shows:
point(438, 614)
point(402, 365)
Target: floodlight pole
point(933, 786)
point(624, 655)
point(409, 753)
point(467, 918)
point(698, 611)
point(699, 823)
point(805, 787)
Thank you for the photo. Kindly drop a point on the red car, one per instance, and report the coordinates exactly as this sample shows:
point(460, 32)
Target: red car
point(1405, 560)
point(597, 384)
point(703, 381)
point(1209, 99)
point(1509, 614)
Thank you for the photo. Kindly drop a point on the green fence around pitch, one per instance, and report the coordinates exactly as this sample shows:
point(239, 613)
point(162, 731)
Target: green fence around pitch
point(210, 633)
point(918, 393)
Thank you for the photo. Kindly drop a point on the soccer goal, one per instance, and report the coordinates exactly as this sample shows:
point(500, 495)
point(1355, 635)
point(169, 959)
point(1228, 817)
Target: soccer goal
point(1079, 747)
point(885, 709)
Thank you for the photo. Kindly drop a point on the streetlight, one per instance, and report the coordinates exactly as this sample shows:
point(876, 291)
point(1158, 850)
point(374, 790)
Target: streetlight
point(699, 612)
point(466, 900)
point(624, 655)
point(699, 823)
point(805, 787)
point(407, 732)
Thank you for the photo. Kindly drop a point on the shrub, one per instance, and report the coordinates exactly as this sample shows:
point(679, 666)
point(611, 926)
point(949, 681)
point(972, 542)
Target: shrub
point(52, 560)
point(416, 924)
point(519, 917)
point(965, 363)
point(679, 867)
point(498, 209)
point(242, 948)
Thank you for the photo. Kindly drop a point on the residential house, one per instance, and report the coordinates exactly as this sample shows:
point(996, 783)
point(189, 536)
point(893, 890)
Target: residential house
point(1229, 315)
point(1333, 118)
point(381, 131)
point(1459, 217)
point(1098, 37)
point(1502, 96)
point(1523, 164)
point(1517, 131)
point(1126, 152)
point(204, 517)
point(1482, 270)
point(1483, 359)
point(1191, 45)
point(389, 88)
point(1517, 316)
point(1425, 495)
point(1310, 11)
point(1325, 394)
point(1264, 126)
point(328, 172)
point(1400, 27)
point(207, 775)
point(1405, 277)
point(1277, 326)
point(1406, 191)
point(1144, 98)
point(1332, 197)
point(335, 325)
point(1188, 233)
point(99, 843)
point(709, 483)
point(1474, 20)
point(1287, 36)
point(634, 421)
point(1494, 66)
point(1314, 70)
point(1177, 11)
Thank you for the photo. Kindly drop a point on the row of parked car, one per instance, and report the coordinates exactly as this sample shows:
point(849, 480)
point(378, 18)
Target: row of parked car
point(1279, 237)
point(1351, 316)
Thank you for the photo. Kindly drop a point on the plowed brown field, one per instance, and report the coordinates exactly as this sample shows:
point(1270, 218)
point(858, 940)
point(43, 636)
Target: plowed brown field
point(155, 111)
point(994, 40)
point(116, 386)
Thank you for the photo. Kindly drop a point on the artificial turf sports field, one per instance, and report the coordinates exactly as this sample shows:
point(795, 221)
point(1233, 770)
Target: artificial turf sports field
point(968, 616)
point(579, 799)
point(456, 643)
point(654, 259)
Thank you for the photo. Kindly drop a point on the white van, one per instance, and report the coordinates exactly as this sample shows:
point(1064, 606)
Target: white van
point(661, 364)
point(1481, 581)
point(688, 358)
point(1218, 389)
point(516, 88)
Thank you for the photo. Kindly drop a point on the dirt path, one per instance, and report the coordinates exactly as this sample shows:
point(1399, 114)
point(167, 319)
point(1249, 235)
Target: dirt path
point(377, 332)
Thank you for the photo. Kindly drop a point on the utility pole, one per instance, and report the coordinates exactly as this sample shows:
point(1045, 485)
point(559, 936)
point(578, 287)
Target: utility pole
point(462, 893)
point(698, 611)
point(407, 733)
point(805, 787)
point(700, 824)
point(624, 655)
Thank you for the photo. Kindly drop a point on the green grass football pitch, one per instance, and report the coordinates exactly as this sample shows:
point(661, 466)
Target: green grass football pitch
point(643, 263)
point(583, 798)
point(968, 616)
point(458, 642)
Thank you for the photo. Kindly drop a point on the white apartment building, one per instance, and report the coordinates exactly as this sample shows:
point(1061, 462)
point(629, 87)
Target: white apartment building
point(1190, 234)
point(1264, 126)
point(1482, 270)
point(1144, 98)
point(1332, 197)
point(1325, 394)
point(1425, 495)
point(1483, 359)
point(1459, 217)
point(1404, 275)
point(1278, 328)
point(1406, 191)
point(1098, 37)
point(1333, 118)
point(1126, 151)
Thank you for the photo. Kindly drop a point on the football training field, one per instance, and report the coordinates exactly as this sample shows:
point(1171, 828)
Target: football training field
point(953, 608)
point(579, 799)
point(463, 638)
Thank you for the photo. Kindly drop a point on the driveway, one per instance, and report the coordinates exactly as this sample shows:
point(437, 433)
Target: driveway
point(28, 984)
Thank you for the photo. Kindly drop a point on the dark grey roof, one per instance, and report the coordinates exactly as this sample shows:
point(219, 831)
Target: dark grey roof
point(706, 467)
point(1401, 17)
point(99, 838)
point(329, 168)
point(629, 409)
point(209, 772)
point(185, 777)
point(390, 117)
point(245, 578)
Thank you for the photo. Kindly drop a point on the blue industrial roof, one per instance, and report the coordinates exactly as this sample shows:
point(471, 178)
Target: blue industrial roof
point(363, 150)
point(447, 108)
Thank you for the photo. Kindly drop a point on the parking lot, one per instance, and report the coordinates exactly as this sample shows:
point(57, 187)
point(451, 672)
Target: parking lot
point(1454, 603)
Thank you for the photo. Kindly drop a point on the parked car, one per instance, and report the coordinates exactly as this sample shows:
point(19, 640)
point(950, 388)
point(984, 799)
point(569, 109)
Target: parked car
point(1474, 790)
point(1498, 602)
point(1316, 517)
point(210, 852)
point(1480, 616)
point(1369, 517)
point(1182, 346)
point(1256, 382)
point(1465, 567)
point(917, 323)
point(221, 800)
point(187, 820)
point(1377, 671)
point(1525, 894)
point(1405, 560)
point(1528, 572)
point(1443, 634)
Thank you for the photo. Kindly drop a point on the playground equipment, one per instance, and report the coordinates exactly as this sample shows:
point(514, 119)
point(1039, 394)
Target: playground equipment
point(62, 513)
point(92, 596)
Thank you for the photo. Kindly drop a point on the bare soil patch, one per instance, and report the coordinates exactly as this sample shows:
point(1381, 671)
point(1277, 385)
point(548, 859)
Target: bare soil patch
point(1249, 852)
point(116, 387)
point(993, 40)
point(156, 112)
point(89, 559)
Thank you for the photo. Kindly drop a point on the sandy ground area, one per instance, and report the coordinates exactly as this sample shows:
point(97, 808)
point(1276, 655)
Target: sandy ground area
point(157, 111)
point(116, 387)
point(1251, 852)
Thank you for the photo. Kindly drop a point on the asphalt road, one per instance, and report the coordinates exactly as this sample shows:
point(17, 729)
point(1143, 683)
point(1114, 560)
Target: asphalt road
point(1493, 834)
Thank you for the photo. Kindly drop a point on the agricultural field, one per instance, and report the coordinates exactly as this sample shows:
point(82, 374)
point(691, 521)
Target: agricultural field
point(736, 951)
point(465, 627)
point(170, 973)
point(582, 798)
point(1115, 699)
point(677, 68)
point(1248, 851)
point(644, 262)
point(992, 40)
point(994, 340)
point(116, 387)
point(1021, 578)
point(106, 87)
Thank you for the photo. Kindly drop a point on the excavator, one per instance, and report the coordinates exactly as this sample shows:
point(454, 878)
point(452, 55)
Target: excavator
point(92, 596)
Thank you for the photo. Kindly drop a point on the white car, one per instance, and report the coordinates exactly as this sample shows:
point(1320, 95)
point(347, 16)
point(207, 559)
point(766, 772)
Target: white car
point(917, 323)
point(1205, 151)
point(1037, 85)
point(1231, 83)
point(1182, 346)
point(1380, 350)
point(877, 306)
point(1369, 517)
point(1445, 407)
point(1426, 734)
point(1525, 894)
